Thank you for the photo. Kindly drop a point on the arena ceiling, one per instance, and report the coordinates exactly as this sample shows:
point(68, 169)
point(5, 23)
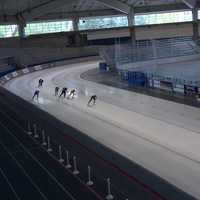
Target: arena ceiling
point(30, 10)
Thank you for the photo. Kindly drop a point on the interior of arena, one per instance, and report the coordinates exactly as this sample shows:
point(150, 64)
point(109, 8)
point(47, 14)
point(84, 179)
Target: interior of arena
point(99, 99)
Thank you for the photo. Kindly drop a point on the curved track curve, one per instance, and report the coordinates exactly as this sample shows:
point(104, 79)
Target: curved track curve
point(161, 136)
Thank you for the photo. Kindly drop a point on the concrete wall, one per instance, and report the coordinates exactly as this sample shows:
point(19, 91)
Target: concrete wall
point(63, 39)
point(109, 33)
point(164, 31)
point(27, 56)
point(46, 47)
point(145, 32)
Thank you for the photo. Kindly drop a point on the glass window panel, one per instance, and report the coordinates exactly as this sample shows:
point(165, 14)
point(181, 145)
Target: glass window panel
point(102, 22)
point(162, 18)
point(198, 14)
point(48, 27)
point(7, 31)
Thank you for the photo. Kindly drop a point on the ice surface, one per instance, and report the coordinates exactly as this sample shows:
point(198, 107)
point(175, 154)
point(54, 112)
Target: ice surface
point(160, 135)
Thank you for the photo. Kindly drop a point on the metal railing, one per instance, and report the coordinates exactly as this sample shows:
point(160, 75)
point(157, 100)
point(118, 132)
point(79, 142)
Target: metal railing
point(123, 53)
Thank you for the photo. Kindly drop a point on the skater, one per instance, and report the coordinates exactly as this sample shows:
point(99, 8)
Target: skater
point(63, 92)
point(92, 98)
point(56, 91)
point(40, 82)
point(36, 94)
point(72, 94)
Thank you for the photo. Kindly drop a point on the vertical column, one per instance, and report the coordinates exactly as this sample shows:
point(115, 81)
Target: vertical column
point(155, 54)
point(131, 24)
point(75, 23)
point(77, 39)
point(21, 29)
point(195, 23)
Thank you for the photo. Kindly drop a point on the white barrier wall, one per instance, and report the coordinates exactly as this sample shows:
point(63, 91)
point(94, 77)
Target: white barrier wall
point(15, 74)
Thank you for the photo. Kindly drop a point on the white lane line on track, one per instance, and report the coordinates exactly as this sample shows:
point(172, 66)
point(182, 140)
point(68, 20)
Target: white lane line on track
point(53, 157)
point(23, 170)
point(76, 177)
point(40, 164)
point(10, 185)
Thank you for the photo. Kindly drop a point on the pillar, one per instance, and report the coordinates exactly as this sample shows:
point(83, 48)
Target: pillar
point(21, 29)
point(77, 38)
point(195, 23)
point(75, 23)
point(131, 24)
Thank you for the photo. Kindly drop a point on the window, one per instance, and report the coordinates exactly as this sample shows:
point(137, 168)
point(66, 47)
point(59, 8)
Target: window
point(8, 31)
point(162, 18)
point(102, 22)
point(48, 27)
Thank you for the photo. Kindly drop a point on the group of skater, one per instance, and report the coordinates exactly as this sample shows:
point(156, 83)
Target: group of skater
point(62, 93)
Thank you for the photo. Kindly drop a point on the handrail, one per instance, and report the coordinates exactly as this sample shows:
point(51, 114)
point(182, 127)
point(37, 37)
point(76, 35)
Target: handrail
point(148, 50)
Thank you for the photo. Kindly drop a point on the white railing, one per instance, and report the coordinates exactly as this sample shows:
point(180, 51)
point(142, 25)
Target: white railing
point(119, 54)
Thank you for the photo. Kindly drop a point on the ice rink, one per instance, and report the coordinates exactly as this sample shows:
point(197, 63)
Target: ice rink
point(161, 136)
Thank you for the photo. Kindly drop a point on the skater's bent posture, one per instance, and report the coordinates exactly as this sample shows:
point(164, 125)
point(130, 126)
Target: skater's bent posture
point(72, 94)
point(40, 82)
point(93, 99)
point(63, 92)
point(36, 94)
point(56, 91)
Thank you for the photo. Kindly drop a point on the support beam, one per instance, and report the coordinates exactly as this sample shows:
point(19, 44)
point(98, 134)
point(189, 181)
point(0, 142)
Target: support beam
point(190, 3)
point(75, 23)
point(21, 29)
point(76, 40)
point(21, 26)
point(131, 17)
point(70, 15)
point(116, 5)
point(107, 12)
point(80, 14)
point(6, 19)
point(195, 23)
point(131, 24)
point(43, 9)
